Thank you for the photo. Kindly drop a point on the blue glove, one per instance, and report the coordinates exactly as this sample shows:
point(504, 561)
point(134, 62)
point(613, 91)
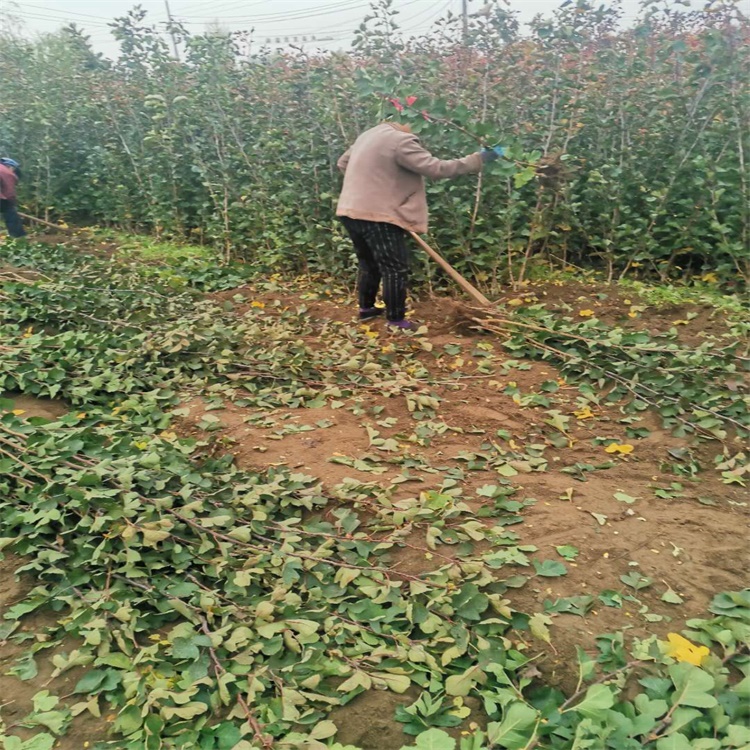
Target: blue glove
point(491, 154)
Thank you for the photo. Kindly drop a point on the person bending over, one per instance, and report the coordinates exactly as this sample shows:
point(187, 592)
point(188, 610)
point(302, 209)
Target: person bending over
point(10, 173)
point(383, 197)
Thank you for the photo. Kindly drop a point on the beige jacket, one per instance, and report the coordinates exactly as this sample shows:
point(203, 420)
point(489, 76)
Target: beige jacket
point(384, 175)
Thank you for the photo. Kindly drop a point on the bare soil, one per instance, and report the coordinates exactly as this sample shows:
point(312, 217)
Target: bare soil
point(695, 543)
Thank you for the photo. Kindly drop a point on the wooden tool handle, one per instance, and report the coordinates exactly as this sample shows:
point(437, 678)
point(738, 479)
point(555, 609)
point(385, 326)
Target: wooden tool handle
point(469, 288)
point(45, 223)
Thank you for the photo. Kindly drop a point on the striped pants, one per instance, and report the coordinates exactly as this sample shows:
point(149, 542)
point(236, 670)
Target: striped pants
point(383, 256)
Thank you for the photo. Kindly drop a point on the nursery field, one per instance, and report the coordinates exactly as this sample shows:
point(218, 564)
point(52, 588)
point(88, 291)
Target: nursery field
point(233, 517)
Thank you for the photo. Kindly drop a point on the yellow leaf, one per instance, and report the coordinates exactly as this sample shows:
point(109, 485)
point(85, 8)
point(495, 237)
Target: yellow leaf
point(18, 412)
point(710, 278)
point(632, 314)
point(682, 649)
point(257, 304)
point(584, 413)
point(624, 449)
point(515, 302)
point(585, 313)
point(628, 302)
point(82, 415)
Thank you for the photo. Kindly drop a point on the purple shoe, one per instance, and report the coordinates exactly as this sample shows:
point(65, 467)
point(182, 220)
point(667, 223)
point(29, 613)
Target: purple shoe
point(402, 325)
point(368, 313)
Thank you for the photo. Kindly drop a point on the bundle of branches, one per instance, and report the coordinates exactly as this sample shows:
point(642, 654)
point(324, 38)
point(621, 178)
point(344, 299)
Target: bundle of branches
point(701, 389)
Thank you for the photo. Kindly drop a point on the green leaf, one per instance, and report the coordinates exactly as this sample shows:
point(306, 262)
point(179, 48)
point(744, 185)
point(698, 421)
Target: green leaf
point(675, 741)
point(323, 730)
point(692, 686)
point(742, 688)
point(184, 648)
point(462, 684)
point(55, 721)
point(37, 742)
point(434, 739)
point(550, 568)
point(25, 667)
point(635, 580)
point(151, 537)
point(513, 731)
point(188, 711)
point(228, 736)
point(538, 626)
point(649, 711)
point(597, 701)
point(43, 701)
point(558, 420)
point(682, 716)
point(129, 720)
point(90, 681)
point(738, 736)
point(625, 498)
point(243, 578)
point(398, 683)
point(357, 680)
point(469, 602)
point(672, 597)
point(568, 551)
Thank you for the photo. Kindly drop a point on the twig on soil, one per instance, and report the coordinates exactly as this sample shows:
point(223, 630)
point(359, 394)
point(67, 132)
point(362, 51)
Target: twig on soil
point(265, 740)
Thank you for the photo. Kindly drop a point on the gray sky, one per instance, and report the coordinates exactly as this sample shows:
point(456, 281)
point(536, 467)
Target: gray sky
point(334, 20)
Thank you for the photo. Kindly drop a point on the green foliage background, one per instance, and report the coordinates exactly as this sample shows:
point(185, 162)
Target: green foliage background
point(236, 147)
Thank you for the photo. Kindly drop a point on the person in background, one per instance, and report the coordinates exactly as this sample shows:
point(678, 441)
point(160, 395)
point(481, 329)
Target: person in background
point(383, 197)
point(10, 173)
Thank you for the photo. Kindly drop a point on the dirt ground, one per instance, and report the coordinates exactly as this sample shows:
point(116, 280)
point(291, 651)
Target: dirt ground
point(625, 517)
point(693, 541)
